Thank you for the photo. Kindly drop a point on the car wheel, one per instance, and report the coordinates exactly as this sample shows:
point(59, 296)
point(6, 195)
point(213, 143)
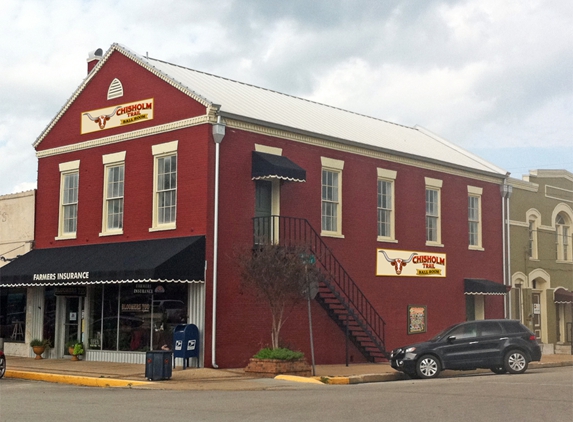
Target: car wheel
point(498, 370)
point(2, 366)
point(428, 367)
point(516, 362)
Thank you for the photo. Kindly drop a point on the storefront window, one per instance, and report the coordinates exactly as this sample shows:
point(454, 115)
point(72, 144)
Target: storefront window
point(13, 314)
point(136, 317)
point(50, 314)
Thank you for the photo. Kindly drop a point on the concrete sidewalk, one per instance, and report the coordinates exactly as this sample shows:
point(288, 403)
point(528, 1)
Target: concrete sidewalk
point(107, 374)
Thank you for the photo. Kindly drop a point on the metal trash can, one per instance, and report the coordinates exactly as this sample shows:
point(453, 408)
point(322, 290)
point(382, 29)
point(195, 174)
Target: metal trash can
point(186, 343)
point(158, 365)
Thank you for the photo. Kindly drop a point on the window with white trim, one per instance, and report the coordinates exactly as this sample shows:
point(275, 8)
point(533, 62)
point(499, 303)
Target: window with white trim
point(385, 204)
point(114, 180)
point(331, 199)
point(69, 185)
point(474, 217)
point(563, 240)
point(165, 186)
point(433, 223)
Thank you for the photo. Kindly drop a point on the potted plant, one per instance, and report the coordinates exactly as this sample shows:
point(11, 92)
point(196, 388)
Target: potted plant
point(39, 347)
point(70, 346)
point(78, 350)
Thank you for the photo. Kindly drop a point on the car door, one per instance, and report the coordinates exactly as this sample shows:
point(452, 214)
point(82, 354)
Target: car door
point(489, 343)
point(458, 352)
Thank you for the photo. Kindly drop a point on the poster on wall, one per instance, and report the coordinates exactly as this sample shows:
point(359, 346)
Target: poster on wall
point(417, 318)
point(392, 263)
point(115, 116)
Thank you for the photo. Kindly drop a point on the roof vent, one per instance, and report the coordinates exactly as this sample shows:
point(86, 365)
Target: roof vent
point(93, 58)
point(115, 89)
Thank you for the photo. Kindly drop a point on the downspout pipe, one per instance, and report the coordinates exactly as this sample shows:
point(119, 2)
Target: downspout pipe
point(505, 190)
point(218, 135)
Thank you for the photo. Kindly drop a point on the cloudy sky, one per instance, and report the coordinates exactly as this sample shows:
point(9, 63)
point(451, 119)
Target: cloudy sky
point(492, 76)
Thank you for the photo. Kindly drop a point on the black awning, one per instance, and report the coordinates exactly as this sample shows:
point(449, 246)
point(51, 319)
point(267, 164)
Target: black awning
point(480, 286)
point(179, 259)
point(269, 166)
point(562, 295)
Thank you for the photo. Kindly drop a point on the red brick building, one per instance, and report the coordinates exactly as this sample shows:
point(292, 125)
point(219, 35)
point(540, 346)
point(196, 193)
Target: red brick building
point(152, 175)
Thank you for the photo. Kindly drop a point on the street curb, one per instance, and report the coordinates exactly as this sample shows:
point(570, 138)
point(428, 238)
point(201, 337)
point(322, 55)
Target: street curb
point(332, 380)
point(367, 378)
point(298, 379)
point(74, 380)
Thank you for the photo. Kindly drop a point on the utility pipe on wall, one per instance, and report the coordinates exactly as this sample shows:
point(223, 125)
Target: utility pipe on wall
point(218, 135)
point(505, 191)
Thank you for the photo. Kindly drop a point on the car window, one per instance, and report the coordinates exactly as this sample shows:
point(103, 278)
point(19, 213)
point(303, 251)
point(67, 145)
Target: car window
point(464, 331)
point(490, 328)
point(511, 326)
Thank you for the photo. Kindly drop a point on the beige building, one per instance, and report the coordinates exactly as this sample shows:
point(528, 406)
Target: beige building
point(17, 213)
point(541, 224)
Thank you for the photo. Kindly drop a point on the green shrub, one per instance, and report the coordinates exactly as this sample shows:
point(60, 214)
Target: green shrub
point(280, 353)
point(79, 349)
point(37, 342)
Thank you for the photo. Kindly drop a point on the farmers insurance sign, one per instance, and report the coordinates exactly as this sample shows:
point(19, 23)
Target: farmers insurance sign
point(119, 115)
point(390, 262)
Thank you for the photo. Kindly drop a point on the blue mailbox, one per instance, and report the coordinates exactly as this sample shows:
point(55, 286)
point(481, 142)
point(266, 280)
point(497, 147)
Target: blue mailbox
point(186, 343)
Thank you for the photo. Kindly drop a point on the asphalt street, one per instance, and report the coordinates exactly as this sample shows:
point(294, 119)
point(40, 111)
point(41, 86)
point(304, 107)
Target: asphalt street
point(545, 393)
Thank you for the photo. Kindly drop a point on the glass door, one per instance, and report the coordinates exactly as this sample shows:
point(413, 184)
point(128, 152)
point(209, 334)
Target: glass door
point(73, 321)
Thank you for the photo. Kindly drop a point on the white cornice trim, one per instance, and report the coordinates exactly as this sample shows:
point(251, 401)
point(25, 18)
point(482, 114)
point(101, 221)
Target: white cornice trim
point(523, 184)
point(354, 149)
point(168, 127)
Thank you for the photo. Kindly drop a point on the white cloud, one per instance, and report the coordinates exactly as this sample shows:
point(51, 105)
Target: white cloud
point(482, 73)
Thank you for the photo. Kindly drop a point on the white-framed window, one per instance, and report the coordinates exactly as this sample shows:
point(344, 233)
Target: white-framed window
point(114, 182)
point(385, 205)
point(433, 213)
point(474, 217)
point(433, 221)
point(165, 186)
point(563, 237)
point(533, 218)
point(69, 187)
point(331, 199)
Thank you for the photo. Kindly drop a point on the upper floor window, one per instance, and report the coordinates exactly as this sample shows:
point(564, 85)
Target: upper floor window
point(563, 241)
point(165, 186)
point(433, 223)
point(114, 177)
point(69, 184)
point(385, 208)
point(474, 217)
point(331, 208)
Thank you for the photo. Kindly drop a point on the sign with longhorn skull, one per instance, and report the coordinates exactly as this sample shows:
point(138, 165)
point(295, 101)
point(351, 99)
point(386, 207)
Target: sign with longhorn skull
point(392, 263)
point(115, 116)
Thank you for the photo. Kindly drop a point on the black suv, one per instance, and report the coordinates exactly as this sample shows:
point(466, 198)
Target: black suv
point(501, 345)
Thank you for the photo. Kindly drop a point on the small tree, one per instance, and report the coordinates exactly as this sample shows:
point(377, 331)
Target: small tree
point(280, 276)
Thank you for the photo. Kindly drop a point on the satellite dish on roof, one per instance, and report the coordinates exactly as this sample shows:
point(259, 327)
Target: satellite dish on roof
point(98, 52)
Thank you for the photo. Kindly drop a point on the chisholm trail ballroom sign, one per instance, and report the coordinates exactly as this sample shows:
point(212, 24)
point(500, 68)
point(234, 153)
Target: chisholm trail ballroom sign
point(115, 116)
point(390, 262)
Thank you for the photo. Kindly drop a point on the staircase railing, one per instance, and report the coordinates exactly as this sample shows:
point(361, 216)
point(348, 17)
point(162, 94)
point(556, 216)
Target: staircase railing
point(292, 231)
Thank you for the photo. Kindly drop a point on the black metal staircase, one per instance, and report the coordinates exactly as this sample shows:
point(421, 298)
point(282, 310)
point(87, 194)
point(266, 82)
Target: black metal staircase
point(338, 294)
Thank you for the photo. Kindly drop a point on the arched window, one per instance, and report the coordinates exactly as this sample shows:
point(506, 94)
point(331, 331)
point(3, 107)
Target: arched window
point(563, 237)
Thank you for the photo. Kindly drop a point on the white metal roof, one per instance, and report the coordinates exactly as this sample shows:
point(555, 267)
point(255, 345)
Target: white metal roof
point(243, 101)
